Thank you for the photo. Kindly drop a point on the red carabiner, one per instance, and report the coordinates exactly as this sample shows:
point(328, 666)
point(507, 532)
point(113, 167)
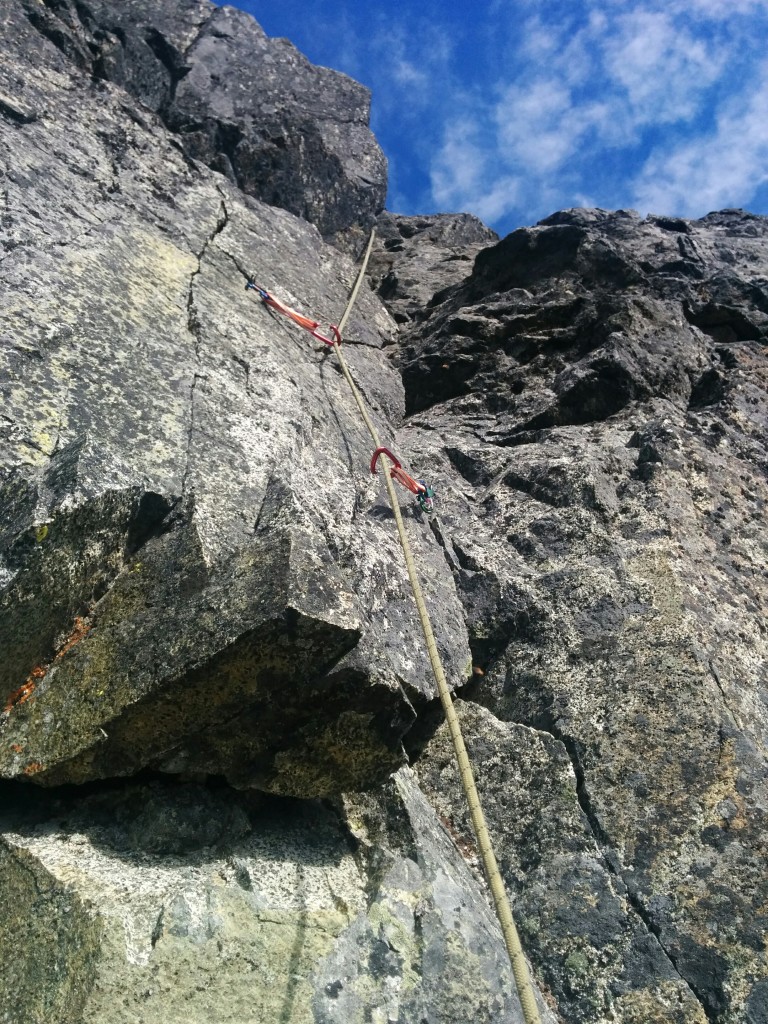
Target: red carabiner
point(388, 453)
point(397, 472)
point(336, 340)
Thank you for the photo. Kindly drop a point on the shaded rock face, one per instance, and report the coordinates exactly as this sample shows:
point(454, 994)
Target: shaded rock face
point(185, 903)
point(595, 395)
point(187, 509)
point(211, 666)
point(288, 133)
point(416, 257)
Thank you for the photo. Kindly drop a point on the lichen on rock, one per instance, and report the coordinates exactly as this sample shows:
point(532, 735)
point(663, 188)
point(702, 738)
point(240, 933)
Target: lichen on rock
point(212, 671)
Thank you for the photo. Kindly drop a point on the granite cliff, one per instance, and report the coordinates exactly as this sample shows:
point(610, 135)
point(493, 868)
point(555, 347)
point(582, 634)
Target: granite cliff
point(226, 792)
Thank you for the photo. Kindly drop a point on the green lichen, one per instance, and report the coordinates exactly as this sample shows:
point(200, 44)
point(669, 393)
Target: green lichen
point(576, 962)
point(48, 944)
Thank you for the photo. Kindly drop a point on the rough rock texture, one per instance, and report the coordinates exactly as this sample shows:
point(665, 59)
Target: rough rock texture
point(202, 599)
point(571, 904)
point(416, 257)
point(198, 572)
point(598, 386)
point(170, 903)
point(284, 131)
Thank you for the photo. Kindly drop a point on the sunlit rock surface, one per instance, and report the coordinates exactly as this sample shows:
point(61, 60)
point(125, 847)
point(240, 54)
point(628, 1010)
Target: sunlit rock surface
point(595, 394)
point(212, 672)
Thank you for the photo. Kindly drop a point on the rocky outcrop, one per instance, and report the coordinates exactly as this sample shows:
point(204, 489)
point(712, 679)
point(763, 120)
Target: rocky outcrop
point(288, 133)
point(212, 673)
point(197, 571)
point(180, 903)
point(417, 257)
point(201, 589)
point(595, 397)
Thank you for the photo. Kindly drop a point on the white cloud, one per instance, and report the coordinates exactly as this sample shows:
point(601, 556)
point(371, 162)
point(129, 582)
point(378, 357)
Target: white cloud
point(532, 124)
point(505, 192)
point(407, 73)
point(459, 169)
point(717, 10)
point(662, 68)
point(413, 67)
point(722, 168)
point(595, 87)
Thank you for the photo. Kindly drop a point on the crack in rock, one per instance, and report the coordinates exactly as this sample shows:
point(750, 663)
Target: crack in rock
point(612, 863)
point(193, 318)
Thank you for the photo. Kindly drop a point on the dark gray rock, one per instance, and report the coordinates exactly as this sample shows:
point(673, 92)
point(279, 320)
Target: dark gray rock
point(415, 258)
point(591, 950)
point(593, 401)
point(757, 1004)
point(286, 132)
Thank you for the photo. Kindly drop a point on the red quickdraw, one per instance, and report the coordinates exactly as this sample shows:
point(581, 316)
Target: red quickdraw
point(397, 472)
point(298, 318)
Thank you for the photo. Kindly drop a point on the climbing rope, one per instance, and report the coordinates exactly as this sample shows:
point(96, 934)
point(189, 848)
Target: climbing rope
point(424, 493)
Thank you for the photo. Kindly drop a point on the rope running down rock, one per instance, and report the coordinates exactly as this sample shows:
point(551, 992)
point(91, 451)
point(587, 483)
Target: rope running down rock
point(501, 903)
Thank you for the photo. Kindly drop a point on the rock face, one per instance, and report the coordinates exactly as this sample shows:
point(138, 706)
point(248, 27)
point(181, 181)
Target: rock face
point(286, 132)
point(181, 903)
point(195, 559)
point(595, 395)
point(417, 257)
point(212, 672)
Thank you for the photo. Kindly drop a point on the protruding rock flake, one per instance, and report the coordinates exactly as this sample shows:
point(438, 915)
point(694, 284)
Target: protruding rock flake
point(227, 793)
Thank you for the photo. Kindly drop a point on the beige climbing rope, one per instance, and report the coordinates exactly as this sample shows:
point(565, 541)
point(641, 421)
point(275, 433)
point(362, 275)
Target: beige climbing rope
point(492, 873)
point(501, 903)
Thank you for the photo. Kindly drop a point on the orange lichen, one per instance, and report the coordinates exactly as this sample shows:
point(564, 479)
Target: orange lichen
point(79, 630)
point(33, 768)
point(24, 692)
point(16, 748)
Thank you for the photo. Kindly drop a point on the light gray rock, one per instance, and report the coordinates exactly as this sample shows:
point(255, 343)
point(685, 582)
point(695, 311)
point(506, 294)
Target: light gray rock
point(178, 903)
point(589, 947)
point(198, 571)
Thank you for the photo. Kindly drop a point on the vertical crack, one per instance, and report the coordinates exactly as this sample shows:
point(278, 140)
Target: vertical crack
point(716, 676)
point(613, 864)
point(190, 431)
point(194, 325)
point(195, 328)
point(437, 531)
point(157, 930)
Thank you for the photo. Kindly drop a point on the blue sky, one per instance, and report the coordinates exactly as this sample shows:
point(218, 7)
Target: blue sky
point(511, 109)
